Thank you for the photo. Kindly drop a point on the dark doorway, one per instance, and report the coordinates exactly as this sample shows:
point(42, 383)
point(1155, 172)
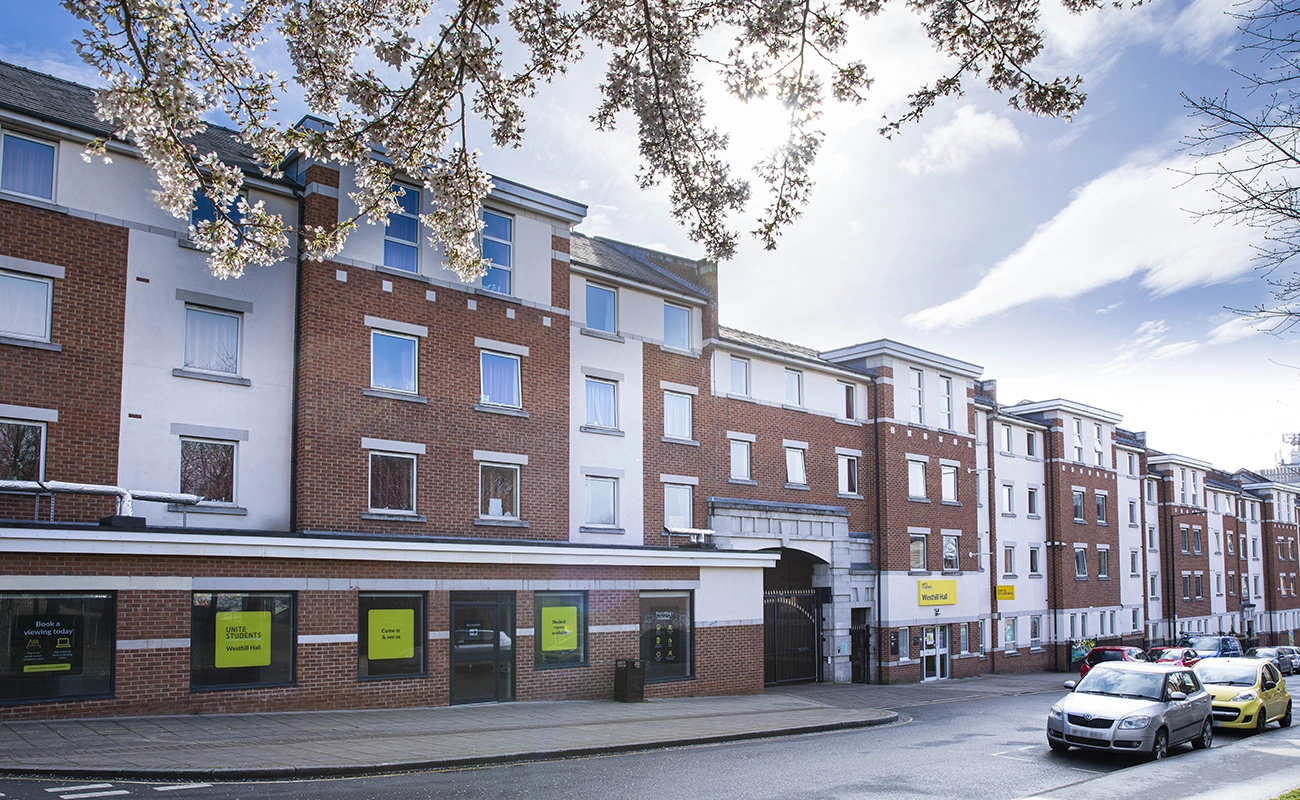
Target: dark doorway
point(792, 620)
point(860, 638)
point(482, 647)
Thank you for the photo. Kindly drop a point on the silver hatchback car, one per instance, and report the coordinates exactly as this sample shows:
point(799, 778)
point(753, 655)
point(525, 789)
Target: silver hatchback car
point(1135, 708)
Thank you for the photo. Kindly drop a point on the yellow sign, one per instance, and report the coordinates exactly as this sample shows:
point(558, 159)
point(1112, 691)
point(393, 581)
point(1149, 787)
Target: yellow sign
point(243, 639)
point(936, 593)
point(560, 628)
point(1007, 592)
point(391, 633)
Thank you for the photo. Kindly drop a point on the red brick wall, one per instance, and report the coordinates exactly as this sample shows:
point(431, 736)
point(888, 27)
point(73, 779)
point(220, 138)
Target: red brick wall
point(661, 457)
point(84, 381)
point(899, 512)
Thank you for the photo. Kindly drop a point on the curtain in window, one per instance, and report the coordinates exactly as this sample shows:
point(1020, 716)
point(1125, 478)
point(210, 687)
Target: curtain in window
point(677, 506)
point(500, 380)
point(208, 470)
point(498, 496)
point(600, 404)
point(600, 501)
point(391, 482)
point(677, 327)
point(20, 452)
point(211, 341)
point(24, 307)
point(794, 465)
point(677, 415)
point(27, 168)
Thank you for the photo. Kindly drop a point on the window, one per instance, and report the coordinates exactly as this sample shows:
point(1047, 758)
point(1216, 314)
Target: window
point(848, 468)
point(1009, 560)
point(1151, 491)
point(916, 394)
point(1216, 543)
point(22, 451)
point(740, 460)
point(27, 166)
point(1004, 438)
point(1186, 537)
point(1182, 486)
point(392, 483)
point(1134, 563)
point(677, 506)
point(677, 327)
point(402, 235)
point(1231, 541)
point(1010, 636)
point(1132, 464)
point(498, 230)
point(1254, 548)
point(945, 403)
point(948, 482)
point(1073, 620)
point(677, 415)
point(67, 645)
point(1035, 566)
point(1155, 586)
point(1111, 614)
point(1196, 539)
point(918, 551)
point(740, 376)
point(963, 636)
point(666, 632)
point(1151, 537)
point(500, 379)
point(793, 387)
point(1103, 563)
point(794, 467)
point(1035, 632)
point(1199, 588)
point(602, 405)
point(392, 362)
point(1031, 444)
point(1080, 562)
point(206, 211)
point(1132, 512)
point(916, 479)
point(25, 312)
point(1137, 619)
point(1078, 506)
point(602, 306)
point(560, 627)
point(1078, 440)
point(602, 501)
point(1099, 454)
point(1257, 592)
point(1083, 625)
point(951, 559)
point(241, 639)
point(1101, 509)
point(850, 400)
point(1008, 499)
point(1218, 584)
point(498, 491)
point(208, 470)
point(391, 635)
point(1031, 502)
point(211, 340)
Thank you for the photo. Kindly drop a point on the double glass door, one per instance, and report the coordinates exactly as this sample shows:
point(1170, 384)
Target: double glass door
point(482, 647)
point(934, 652)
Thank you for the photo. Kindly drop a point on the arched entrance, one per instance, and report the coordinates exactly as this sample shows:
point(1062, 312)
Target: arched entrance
point(792, 619)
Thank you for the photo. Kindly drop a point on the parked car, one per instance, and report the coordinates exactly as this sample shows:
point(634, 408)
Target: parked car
point(1132, 708)
point(1248, 693)
point(1173, 655)
point(1098, 655)
point(1274, 656)
point(1294, 654)
point(1212, 646)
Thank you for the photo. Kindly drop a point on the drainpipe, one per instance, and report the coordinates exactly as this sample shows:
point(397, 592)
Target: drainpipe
point(297, 364)
point(1053, 545)
point(991, 497)
point(878, 555)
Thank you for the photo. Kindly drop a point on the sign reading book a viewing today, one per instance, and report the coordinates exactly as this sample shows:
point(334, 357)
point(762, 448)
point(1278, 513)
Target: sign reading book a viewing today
point(559, 628)
point(243, 639)
point(391, 633)
point(46, 643)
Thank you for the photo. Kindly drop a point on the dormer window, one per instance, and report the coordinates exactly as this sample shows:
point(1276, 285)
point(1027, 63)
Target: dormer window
point(27, 166)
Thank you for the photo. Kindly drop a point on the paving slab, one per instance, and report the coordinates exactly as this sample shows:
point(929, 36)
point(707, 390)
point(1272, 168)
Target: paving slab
point(332, 743)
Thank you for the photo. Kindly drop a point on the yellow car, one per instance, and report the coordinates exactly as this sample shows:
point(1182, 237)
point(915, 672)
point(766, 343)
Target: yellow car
point(1246, 692)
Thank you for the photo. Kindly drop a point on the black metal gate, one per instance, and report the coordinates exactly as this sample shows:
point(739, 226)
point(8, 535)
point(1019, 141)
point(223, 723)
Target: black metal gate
point(791, 635)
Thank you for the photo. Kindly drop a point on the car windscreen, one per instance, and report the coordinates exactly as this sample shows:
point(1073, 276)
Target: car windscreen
point(1122, 683)
point(1098, 656)
point(1215, 671)
point(1261, 652)
point(1204, 644)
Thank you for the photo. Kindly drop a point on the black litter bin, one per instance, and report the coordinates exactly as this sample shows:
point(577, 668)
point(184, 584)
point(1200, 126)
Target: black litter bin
point(629, 680)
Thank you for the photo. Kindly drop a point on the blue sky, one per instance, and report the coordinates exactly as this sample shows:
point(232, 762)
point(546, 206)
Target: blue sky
point(1059, 256)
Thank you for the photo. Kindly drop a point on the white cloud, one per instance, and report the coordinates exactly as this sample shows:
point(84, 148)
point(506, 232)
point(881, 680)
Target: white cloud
point(1129, 221)
point(1148, 342)
point(1093, 40)
point(969, 136)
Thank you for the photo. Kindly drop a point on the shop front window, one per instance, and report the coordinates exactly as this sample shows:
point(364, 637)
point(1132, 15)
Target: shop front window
point(56, 646)
point(391, 635)
point(666, 633)
point(240, 639)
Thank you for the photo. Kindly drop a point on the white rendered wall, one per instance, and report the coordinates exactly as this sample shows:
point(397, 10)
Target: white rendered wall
point(729, 595)
point(1020, 529)
point(931, 401)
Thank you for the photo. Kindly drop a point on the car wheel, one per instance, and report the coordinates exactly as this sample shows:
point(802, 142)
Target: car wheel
point(1057, 747)
point(1285, 721)
point(1261, 720)
point(1206, 739)
point(1160, 747)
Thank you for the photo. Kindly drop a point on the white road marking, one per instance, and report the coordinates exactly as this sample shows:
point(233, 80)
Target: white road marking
point(85, 788)
point(1003, 754)
point(181, 786)
point(93, 794)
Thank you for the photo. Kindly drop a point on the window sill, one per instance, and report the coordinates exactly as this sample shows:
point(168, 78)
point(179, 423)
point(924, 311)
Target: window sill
point(745, 397)
point(1009, 575)
point(392, 517)
point(1103, 523)
point(602, 431)
point(953, 503)
point(1036, 575)
point(600, 529)
point(234, 380)
point(1081, 577)
point(1134, 525)
point(188, 243)
point(1005, 514)
point(493, 522)
point(401, 273)
point(509, 298)
point(803, 487)
point(32, 343)
point(742, 481)
point(1033, 516)
point(234, 511)
point(919, 572)
point(1010, 653)
point(389, 394)
point(672, 440)
point(507, 411)
point(846, 421)
point(953, 572)
point(911, 499)
point(1037, 649)
point(599, 334)
point(1032, 458)
point(1103, 577)
point(1080, 521)
point(679, 351)
point(789, 407)
point(849, 496)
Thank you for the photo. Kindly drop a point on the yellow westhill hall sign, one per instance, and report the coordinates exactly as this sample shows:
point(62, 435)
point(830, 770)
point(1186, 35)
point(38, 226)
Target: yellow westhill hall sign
point(936, 593)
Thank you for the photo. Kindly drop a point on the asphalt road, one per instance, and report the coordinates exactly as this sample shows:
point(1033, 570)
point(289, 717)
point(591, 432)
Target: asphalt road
point(964, 746)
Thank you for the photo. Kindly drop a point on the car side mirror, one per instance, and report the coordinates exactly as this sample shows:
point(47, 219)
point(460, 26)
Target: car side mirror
point(1071, 684)
point(1177, 697)
point(1270, 685)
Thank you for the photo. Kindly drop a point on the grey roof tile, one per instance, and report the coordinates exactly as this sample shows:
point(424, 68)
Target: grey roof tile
point(604, 257)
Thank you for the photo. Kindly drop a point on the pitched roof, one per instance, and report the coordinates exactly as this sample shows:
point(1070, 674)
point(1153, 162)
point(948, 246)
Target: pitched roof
point(775, 345)
point(62, 102)
point(603, 256)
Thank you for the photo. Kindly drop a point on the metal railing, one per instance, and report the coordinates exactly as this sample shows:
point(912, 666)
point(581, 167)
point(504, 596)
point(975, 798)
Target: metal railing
point(125, 497)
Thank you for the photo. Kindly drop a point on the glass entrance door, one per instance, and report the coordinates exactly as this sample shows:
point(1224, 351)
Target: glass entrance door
point(934, 652)
point(482, 647)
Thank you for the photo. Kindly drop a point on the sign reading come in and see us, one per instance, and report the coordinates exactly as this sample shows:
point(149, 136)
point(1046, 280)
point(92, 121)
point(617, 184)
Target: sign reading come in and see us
point(243, 639)
point(391, 633)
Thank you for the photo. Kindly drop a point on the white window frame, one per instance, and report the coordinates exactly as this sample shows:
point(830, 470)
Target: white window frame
point(234, 468)
point(1098, 448)
point(1103, 562)
point(946, 420)
point(239, 338)
point(1081, 505)
point(1031, 501)
point(519, 377)
point(791, 460)
point(1009, 560)
point(1078, 440)
point(587, 306)
point(1133, 512)
point(916, 396)
point(914, 468)
point(415, 356)
point(689, 327)
point(31, 423)
point(912, 538)
point(1008, 498)
point(49, 305)
point(401, 212)
point(1035, 563)
point(510, 269)
point(370, 469)
point(690, 416)
point(1134, 563)
point(54, 173)
point(1031, 444)
point(1009, 641)
point(947, 476)
point(1005, 443)
point(1035, 632)
point(1099, 501)
point(743, 391)
point(587, 410)
point(850, 394)
point(588, 480)
point(1081, 561)
point(848, 474)
point(519, 511)
point(738, 445)
point(690, 502)
point(797, 400)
